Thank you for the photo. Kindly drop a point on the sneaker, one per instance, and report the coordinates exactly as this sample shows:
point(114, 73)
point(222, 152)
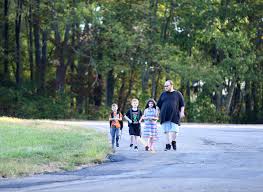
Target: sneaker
point(167, 147)
point(131, 145)
point(146, 148)
point(174, 145)
point(117, 145)
point(136, 148)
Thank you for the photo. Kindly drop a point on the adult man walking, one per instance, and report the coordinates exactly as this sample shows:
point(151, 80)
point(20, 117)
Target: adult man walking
point(171, 105)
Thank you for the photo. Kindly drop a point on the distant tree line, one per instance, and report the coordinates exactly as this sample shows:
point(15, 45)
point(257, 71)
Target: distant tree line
point(74, 58)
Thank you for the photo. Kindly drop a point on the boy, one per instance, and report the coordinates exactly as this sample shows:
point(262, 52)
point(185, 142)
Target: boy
point(115, 118)
point(133, 117)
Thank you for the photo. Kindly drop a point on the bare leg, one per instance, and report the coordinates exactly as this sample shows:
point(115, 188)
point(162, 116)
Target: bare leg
point(132, 139)
point(167, 137)
point(135, 140)
point(168, 141)
point(148, 141)
point(151, 143)
point(173, 136)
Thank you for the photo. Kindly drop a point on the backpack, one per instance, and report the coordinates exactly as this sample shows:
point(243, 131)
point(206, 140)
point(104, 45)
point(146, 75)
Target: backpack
point(120, 121)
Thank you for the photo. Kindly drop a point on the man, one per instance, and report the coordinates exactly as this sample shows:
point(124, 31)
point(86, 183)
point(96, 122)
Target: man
point(171, 105)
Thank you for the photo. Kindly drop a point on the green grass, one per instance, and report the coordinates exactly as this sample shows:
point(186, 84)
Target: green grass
point(28, 147)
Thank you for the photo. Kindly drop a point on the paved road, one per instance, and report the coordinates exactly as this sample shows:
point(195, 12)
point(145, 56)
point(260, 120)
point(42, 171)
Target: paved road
point(217, 158)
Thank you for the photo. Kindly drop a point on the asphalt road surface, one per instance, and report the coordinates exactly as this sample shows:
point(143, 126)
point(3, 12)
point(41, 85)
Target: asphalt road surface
point(212, 158)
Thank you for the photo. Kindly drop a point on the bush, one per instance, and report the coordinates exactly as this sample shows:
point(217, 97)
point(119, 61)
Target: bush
point(203, 110)
point(23, 104)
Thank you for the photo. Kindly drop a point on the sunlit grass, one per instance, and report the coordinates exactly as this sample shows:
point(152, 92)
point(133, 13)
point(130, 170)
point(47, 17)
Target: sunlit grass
point(28, 146)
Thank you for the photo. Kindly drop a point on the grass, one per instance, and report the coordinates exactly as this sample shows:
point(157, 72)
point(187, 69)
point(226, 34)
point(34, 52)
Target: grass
point(28, 147)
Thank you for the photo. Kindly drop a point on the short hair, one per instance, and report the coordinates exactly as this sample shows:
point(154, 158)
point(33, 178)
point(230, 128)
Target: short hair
point(170, 81)
point(134, 100)
point(114, 105)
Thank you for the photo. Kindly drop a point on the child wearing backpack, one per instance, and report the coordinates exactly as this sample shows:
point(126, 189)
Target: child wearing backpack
point(115, 119)
point(133, 116)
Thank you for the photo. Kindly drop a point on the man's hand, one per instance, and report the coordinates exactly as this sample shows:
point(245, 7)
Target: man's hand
point(182, 115)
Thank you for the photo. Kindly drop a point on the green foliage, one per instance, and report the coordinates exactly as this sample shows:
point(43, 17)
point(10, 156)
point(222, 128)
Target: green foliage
point(203, 110)
point(132, 47)
point(20, 103)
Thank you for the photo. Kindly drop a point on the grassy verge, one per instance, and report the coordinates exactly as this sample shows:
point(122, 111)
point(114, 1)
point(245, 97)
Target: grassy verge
point(28, 147)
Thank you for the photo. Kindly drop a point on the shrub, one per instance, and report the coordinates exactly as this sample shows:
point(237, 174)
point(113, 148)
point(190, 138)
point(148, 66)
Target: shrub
point(203, 110)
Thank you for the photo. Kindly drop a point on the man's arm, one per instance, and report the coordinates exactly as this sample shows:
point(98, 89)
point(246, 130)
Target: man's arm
point(182, 112)
point(159, 102)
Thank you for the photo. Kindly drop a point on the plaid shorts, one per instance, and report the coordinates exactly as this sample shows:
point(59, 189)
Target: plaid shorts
point(169, 126)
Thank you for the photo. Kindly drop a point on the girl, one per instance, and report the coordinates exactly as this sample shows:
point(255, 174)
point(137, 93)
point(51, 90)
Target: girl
point(150, 118)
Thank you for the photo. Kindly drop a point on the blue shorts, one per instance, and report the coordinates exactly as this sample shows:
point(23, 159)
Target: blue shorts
point(169, 126)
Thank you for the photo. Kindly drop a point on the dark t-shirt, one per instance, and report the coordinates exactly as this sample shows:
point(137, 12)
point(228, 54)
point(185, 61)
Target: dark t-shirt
point(170, 104)
point(135, 116)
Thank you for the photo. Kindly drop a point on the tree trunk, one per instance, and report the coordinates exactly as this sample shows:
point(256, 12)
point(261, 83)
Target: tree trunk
point(36, 29)
point(98, 91)
point(86, 105)
point(73, 46)
point(248, 102)
point(17, 37)
point(121, 92)
point(42, 71)
point(157, 84)
point(188, 93)
point(145, 78)
point(230, 96)
point(72, 75)
point(30, 42)
point(60, 77)
point(153, 95)
point(235, 108)
point(255, 110)
point(80, 102)
point(6, 41)
point(218, 99)
point(110, 87)
point(62, 48)
point(165, 26)
point(131, 82)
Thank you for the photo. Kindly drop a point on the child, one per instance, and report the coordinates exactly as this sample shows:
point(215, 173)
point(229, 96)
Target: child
point(150, 118)
point(133, 117)
point(115, 118)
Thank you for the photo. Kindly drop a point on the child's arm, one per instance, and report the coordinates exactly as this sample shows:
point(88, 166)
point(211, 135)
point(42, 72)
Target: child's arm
point(155, 118)
point(120, 117)
point(156, 115)
point(128, 119)
point(110, 118)
point(143, 117)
